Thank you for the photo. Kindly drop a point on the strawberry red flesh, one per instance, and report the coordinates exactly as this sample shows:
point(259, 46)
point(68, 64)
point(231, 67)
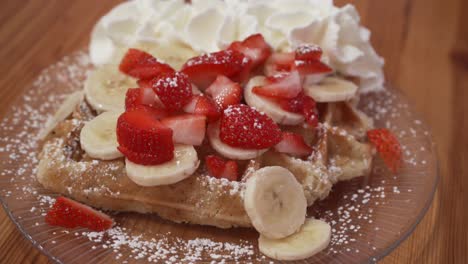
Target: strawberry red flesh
point(70, 214)
point(293, 144)
point(203, 105)
point(225, 92)
point(187, 129)
point(294, 105)
point(141, 96)
point(204, 69)
point(310, 111)
point(142, 65)
point(231, 171)
point(279, 62)
point(219, 168)
point(253, 47)
point(308, 52)
point(388, 147)
point(282, 85)
point(173, 89)
point(244, 127)
point(311, 67)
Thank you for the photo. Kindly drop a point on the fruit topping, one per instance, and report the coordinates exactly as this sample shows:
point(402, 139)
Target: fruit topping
point(141, 96)
point(302, 104)
point(388, 147)
point(142, 138)
point(70, 214)
point(279, 62)
point(311, 67)
point(244, 127)
point(308, 52)
point(293, 144)
point(281, 85)
point(186, 129)
point(203, 105)
point(204, 69)
point(220, 168)
point(142, 65)
point(253, 47)
point(173, 89)
point(225, 92)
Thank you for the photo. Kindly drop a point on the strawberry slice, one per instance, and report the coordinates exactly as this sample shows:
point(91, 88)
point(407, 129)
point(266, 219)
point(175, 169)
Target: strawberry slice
point(294, 105)
point(282, 85)
point(141, 96)
point(253, 47)
point(308, 52)
point(293, 144)
point(187, 129)
point(139, 133)
point(388, 147)
point(203, 105)
point(70, 214)
point(311, 67)
point(244, 127)
point(219, 168)
point(310, 111)
point(144, 83)
point(225, 92)
point(173, 89)
point(204, 69)
point(142, 65)
point(279, 62)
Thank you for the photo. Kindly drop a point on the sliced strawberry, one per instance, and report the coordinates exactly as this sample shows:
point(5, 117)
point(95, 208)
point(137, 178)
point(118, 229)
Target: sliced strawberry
point(144, 83)
point(253, 47)
point(225, 92)
point(282, 85)
point(293, 144)
point(187, 129)
point(140, 132)
point(244, 127)
point(204, 69)
point(388, 147)
point(203, 105)
point(310, 111)
point(308, 52)
point(219, 168)
point(142, 65)
point(173, 89)
point(141, 96)
point(70, 214)
point(279, 62)
point(294, 105)
point(311, 67)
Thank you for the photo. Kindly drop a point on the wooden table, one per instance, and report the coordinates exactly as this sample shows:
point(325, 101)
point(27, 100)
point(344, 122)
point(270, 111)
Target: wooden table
point(425, 43)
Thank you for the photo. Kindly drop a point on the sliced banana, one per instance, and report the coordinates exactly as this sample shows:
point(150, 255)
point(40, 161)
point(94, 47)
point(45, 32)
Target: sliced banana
point(228, 151)
point(65, 109)
point(313, 237)
point(331, 89)
point(98, 137)
point(268, 106)
point(105, 88)
point(183, 165)
point(275, 202)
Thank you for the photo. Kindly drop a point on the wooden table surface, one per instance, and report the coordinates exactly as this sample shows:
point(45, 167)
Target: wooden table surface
point(424, 42)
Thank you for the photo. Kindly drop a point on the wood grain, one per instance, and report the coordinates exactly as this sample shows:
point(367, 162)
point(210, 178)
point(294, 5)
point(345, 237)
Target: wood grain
point(424, 42)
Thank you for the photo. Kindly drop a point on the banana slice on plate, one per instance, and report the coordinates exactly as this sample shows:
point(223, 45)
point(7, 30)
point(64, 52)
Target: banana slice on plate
point(275, 202)
point(313, 237)
point(331, 89)
point(183, 165)
point(268, 106)
point(105, 88)
point(65, 109)
point(98, 137)
point(228, 151)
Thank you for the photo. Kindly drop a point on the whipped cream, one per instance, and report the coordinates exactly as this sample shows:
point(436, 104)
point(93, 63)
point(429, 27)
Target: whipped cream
point(209, 25)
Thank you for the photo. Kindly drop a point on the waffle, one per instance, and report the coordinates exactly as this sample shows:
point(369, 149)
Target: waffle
point(340, 153)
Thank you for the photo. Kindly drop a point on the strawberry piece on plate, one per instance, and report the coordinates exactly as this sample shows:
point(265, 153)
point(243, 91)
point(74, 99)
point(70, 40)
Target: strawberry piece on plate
point(141, 96)
point(305, 67)
point(244, 127)
point(253, 47)
point(282, 85)
point(293, 144)
point(279, 62)
point(140, 132)
point(173, 89)
point(294, 105)
point(204, 69)
point(310, 111)
point(308, 52)
point(142, 65)
point(219, 168)
point(225, 92)
point(388, 147)
point(187, 129)
point(70, 214)
point(203, 105)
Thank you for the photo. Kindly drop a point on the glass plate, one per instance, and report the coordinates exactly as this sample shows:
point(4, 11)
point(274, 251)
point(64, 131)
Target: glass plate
point(370, 216)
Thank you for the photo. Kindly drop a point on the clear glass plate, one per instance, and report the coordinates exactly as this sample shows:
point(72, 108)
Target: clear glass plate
point(370, 216)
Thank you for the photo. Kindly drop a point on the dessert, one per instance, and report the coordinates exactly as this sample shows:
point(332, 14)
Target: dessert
point(227, 137)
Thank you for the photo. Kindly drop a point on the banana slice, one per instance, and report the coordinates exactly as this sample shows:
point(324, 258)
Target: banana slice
point(183, 165)
point(313, 237)
point(228, 151)
point(105, 88)
point(331, 89)
point(98, 137)
point(275, 202)
point(269, 107)
point(65, 109)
